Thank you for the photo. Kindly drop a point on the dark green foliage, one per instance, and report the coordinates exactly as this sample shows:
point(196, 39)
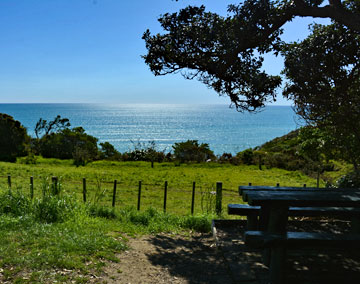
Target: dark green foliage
point(13, 138)
point(144, 152)
point(350, 180)
point(43, 126)
point(70, 143)
point(191, 150)
point(108, 152)
point(324, 82)
point(247, 156)
point(226, 52)
point(307, 149)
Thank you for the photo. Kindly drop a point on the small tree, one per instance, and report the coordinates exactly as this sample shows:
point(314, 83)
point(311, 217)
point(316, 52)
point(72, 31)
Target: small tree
point(13, 138)
point(43, 126)
point(68, 144)
point(191, 150)
point(108, 151)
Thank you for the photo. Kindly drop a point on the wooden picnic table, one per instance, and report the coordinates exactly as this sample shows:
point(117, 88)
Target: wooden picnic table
point(275, 204)
point(274, 214)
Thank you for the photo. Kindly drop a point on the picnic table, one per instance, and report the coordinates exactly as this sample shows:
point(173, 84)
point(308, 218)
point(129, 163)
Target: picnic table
point(275, 205)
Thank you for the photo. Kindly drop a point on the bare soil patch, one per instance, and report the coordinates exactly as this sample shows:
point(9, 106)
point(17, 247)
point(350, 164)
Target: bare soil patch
point(201, 258)
point(166, 258)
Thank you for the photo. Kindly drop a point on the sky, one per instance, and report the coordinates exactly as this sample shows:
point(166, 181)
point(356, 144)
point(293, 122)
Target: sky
point(89, 51)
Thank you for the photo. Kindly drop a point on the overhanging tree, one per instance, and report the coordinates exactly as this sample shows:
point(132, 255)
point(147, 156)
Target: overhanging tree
point(323, 73)
point(226, 53)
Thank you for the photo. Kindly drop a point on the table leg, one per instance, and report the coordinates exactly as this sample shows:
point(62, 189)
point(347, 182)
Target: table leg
point(264, 218)
point(252, 222)
point(355, 225)
point(278, 216)
point(278, 265)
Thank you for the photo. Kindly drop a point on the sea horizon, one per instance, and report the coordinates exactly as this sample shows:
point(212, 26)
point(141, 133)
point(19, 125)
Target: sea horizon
point(123, 125)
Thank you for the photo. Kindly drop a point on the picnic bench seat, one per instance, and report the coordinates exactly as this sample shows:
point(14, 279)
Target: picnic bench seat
point(252, 212)
point(279, 244)
point(261, 239)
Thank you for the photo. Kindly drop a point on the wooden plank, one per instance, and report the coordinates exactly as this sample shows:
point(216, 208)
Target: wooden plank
point(243, 190)
point(260, 239)
point(304, 199)
point(247, 210)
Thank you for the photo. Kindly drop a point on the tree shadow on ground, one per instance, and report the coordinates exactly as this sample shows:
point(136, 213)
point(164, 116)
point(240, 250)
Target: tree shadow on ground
point(194, 258)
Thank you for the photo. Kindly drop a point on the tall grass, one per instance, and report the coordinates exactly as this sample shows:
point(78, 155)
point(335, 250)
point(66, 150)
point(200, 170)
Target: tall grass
point(56, 233)
point(100, 177)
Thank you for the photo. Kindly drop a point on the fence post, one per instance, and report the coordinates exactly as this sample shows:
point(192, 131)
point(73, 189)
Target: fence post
point(31, 187)
point(84, 190)
point(114, 194)
point(139, 196)
point(9, 181)
point(165, 195)
point(193, 199)
point(218, 197)
point(55, 185)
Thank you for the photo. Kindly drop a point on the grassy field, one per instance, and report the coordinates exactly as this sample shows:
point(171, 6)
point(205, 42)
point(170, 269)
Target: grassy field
point(100, 178)
point(59, 238)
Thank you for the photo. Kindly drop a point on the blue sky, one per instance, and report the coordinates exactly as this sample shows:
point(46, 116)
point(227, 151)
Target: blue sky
point(89, 51)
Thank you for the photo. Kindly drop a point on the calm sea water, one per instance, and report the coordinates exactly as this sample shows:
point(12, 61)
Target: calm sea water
point(224, 129)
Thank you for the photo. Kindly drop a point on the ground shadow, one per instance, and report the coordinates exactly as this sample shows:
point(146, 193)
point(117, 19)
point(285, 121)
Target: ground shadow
point(194, 258)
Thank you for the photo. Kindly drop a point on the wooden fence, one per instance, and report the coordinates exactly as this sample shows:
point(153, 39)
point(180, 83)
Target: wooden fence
point(55, 187)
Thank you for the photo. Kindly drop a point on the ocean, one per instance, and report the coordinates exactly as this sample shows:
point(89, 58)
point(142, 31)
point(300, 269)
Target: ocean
point(223, 128)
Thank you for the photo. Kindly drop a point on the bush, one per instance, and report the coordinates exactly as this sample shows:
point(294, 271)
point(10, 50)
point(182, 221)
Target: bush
point(144, 152)
point(14, 203)
point(101, 211)
point(52, 209)
point(246, 156)
point(108, 152)
point(68, 144)
point(225, 158)
point(350, 180)
point(13, 138)
point(197, 223)
point(191, 150)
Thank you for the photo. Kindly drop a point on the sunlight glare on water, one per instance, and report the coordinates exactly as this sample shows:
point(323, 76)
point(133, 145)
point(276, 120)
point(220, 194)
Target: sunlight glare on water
point(223, 128)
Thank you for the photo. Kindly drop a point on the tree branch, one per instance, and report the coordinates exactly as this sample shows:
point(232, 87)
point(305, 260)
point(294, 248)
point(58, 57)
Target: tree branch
point(333, 11)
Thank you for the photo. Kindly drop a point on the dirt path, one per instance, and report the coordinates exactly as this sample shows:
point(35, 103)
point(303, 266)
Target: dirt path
point(180, 259)
point(169, 259)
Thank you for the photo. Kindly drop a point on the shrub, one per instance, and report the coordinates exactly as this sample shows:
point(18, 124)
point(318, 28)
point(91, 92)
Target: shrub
point(246, 156)
point(51, 209)
point(101, 211)
point(191, 150)
point(144, 152)
point(13, 138)
point(225, 158)
point(108, 152)
point(14, 203)
point(197, 223)
point(68, 144)
point(350, 180)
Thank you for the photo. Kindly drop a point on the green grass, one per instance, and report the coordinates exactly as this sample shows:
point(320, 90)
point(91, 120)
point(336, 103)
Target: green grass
point(101, 175)
point(60, 238)
point(57, 238)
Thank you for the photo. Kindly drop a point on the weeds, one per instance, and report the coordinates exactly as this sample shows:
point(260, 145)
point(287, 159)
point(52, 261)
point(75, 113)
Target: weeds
point(55, 231)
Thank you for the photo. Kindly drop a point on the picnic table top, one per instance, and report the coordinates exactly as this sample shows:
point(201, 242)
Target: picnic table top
point(308, 198)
